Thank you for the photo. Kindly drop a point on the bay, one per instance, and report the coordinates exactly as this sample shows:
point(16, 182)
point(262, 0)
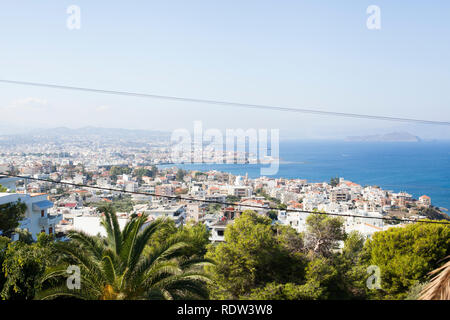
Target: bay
point(419, 168)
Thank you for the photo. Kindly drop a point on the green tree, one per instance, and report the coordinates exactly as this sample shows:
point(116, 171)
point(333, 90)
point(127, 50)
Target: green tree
point(251, 256)
point(290, 239)
point(23, 267)
point(322, 277)
point(340, 276)
point(197, 235)
point(4, 241)
point(323, 234)
point(231, 198)
point(122, 266)
point(141, 172)
point(351, 265)
point(25, 236)
point(117, 171)
point(180, 174)
point(154, 171)
point(406, 255)
point(287, 291)
point(320, 283)
point(213, 208)
point(334, 181)
point(272, 214)
point(10, 215)
point(167, 229)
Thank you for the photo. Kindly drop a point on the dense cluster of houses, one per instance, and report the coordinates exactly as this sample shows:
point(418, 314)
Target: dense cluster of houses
point(57, 208)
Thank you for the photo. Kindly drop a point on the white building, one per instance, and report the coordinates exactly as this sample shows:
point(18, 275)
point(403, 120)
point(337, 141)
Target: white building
point(425, 200)
point(296, 220)
point(218, 231)
point(9, 183)
point(36, 219)
point(216, 197)
point(367, 223)
point(79, 179)
point(254, 205)
point(91, 224)
point(194, 212)
point(240, 191)
point(339, 195)
point(176, 213)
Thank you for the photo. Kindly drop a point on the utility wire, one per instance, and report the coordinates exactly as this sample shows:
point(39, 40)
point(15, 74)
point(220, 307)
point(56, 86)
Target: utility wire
point(216, 201)
point(231, 104)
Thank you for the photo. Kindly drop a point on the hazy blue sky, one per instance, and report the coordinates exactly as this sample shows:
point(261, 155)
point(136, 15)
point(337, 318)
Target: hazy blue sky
point(306, 54)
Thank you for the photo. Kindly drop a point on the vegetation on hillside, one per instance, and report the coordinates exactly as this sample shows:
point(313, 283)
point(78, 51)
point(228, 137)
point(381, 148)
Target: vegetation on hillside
point(258, 260)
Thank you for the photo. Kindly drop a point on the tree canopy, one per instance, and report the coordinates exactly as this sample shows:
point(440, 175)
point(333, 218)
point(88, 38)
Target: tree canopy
point(252, 255)
point(407, 254)
point(23, 266)
point(10, 215)
point(122, 266)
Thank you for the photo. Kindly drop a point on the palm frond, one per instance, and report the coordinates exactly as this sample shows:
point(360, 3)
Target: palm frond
point(129, 236)
point(140, 242)
point(118, 267)
point(64, 292)
point(89, 242)
point(111, 225)
point(87, 263)
point(184, 285)
point(439, 286)
point(108, 269)
point(159, 272)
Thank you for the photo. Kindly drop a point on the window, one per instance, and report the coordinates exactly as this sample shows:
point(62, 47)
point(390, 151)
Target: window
point(42, 213)
point(50, 230)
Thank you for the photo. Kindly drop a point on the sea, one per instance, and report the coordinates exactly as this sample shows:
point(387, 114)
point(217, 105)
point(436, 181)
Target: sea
point(418, 168)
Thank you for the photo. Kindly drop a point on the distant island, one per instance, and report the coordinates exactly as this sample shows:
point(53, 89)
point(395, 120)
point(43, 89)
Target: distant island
point(388, 137)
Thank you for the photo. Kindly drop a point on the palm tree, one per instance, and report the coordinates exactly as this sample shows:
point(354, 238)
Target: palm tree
point(439, 286)
point(122, 266)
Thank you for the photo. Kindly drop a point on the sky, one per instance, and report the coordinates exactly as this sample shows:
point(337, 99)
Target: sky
point(302, 54)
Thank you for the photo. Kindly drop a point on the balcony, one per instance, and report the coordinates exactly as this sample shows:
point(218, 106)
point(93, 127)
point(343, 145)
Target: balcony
point(50, 220)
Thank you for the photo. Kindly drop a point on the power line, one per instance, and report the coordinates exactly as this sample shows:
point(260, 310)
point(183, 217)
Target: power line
point(216, 201)
point(231, 104)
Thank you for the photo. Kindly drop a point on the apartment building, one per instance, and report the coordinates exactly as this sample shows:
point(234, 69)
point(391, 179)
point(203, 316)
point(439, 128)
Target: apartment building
point(425, 201)
point(9, 183)
point(165, 190)
point(240, 191)
point(36, 218)
point(339, 196)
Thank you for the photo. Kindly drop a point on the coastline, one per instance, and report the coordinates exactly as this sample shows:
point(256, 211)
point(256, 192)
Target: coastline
point(416, 168)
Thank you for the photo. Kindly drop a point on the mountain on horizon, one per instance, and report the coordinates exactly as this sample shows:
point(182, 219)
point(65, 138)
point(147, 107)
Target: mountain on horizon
point(97, 131)
point(388, 137)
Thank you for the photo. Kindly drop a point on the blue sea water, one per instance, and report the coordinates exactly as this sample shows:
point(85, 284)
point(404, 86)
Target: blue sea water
point(415, 167)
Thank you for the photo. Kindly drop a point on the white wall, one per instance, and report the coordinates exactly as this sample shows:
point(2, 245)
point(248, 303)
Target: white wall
point(31, 222)
point(91, 225)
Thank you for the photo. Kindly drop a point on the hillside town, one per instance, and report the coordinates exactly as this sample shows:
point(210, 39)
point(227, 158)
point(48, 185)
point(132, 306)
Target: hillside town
point(224, 159)
point(135, 189)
